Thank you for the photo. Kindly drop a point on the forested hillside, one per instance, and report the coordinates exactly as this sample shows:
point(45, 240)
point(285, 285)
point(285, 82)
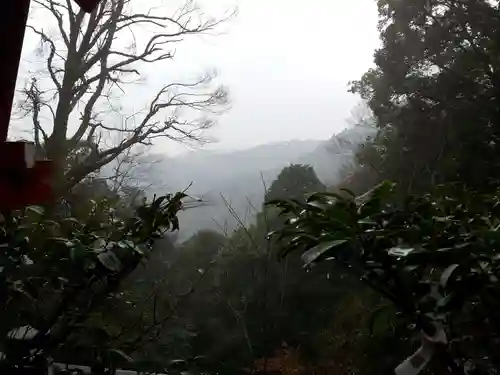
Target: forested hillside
point(240, 178)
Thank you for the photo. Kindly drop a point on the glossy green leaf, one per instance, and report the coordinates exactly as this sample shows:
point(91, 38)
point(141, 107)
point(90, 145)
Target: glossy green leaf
point(109, 260)
point(317, 251)
point(447, 274)
point(400, 251)
point(120, 354)
point(35, 209)
point(70, 220)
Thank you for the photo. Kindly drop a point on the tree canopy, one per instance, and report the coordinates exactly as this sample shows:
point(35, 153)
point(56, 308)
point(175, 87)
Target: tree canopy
point(293, 182)
point(434, 92)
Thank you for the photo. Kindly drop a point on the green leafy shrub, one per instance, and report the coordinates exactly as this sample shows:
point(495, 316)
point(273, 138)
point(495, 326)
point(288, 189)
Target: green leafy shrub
point(435, 256)
point(54, 272)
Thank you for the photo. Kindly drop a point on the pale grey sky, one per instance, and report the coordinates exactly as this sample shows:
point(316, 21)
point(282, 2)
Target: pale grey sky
point(286, 63)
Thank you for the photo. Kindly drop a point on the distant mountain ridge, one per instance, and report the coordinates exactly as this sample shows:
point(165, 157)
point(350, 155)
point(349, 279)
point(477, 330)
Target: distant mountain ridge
point(241, 176)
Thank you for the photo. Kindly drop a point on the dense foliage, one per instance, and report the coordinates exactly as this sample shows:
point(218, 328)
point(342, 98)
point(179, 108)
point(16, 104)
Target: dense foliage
point(433, 256)
point(428, 244)
point(235, 307)
point(56, 271)
point(434, 93)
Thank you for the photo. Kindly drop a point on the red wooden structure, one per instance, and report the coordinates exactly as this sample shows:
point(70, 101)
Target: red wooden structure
point(23, 180)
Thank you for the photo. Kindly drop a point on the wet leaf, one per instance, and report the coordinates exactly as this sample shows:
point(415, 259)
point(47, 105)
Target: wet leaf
point(120, 354)
point(446, 275)
point(314, 253)
point(109, 260)
point(35, 209)
point(399, 251)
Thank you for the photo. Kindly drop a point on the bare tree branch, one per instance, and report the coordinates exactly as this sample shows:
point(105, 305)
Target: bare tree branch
point(33, 104)
point(90, 63)
point(52, 7)
point(50, 58)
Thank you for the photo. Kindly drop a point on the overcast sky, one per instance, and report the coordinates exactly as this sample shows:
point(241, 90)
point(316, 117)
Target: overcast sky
point(286, 63)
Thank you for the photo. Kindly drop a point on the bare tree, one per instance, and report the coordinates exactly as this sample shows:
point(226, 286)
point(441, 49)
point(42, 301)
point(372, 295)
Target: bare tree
point(88, 60)
point(131, 169)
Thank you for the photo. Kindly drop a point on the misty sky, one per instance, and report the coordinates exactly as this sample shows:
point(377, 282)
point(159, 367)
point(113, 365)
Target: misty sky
point(286, 63)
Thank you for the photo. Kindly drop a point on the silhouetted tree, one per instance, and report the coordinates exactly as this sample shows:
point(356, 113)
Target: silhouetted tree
point(73, 103)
